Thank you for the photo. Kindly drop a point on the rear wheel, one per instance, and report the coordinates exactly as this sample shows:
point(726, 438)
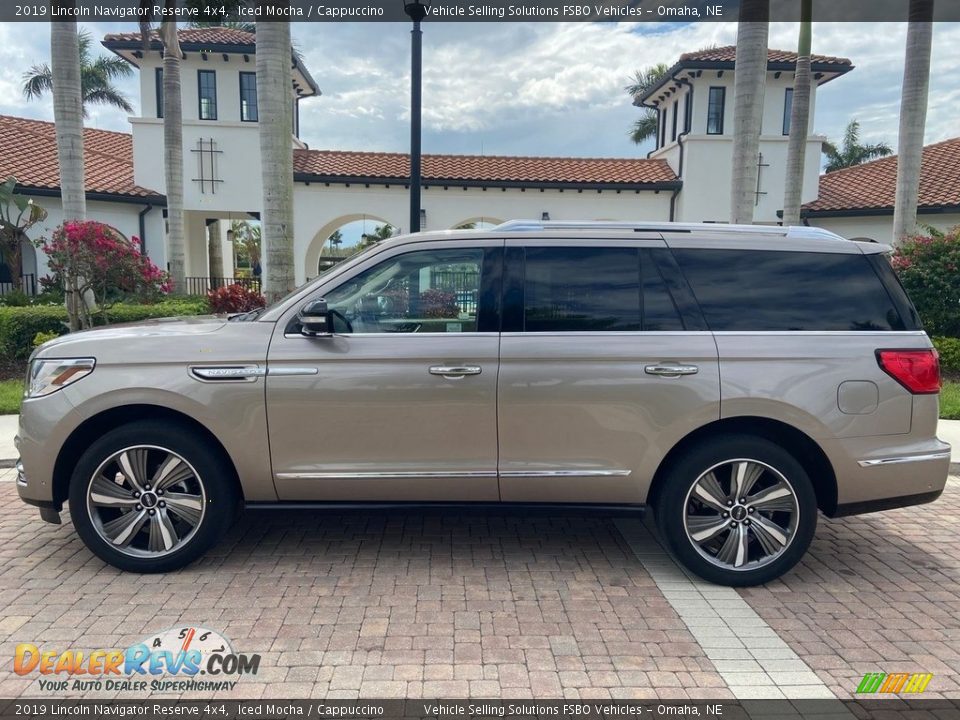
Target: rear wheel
point(151, 497)
point(737, 510)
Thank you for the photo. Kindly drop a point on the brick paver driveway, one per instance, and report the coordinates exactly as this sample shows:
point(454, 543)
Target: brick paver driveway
point(504, 605)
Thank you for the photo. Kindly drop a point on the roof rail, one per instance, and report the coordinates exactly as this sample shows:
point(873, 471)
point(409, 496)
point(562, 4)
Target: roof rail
point(791, 231)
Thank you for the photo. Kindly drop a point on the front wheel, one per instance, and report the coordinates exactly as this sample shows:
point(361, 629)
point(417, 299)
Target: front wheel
point(737, 510)
point(150, 497)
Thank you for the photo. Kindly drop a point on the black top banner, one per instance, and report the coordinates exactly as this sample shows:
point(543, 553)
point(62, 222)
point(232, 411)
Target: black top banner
point(647, 11)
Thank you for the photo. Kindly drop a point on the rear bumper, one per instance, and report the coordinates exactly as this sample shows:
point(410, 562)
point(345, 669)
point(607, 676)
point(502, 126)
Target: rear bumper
point(873, 476)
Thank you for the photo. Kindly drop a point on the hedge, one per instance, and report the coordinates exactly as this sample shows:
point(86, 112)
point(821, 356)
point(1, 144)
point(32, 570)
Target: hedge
point(949, 350)
point(19, 325)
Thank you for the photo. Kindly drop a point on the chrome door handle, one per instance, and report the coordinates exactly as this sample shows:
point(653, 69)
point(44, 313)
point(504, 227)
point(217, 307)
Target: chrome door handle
point(455, 371)
point(671, 370)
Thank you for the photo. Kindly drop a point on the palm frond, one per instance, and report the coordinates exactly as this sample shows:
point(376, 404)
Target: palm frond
point(107, 96)
point(644, 128)
point(37, 81)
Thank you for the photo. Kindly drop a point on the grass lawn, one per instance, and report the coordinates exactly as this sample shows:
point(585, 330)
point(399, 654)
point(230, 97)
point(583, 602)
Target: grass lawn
point(950, 400)
point(11, 392)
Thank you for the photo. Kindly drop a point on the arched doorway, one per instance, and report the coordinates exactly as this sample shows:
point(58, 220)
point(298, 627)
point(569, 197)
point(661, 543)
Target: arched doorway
point(477, 223)
point(341, 238)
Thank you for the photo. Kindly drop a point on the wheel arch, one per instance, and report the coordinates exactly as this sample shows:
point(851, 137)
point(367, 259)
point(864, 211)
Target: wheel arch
point(806, 451)
point(103, 422)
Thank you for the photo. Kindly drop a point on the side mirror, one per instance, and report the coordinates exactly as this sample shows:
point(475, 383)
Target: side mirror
point(316, 319)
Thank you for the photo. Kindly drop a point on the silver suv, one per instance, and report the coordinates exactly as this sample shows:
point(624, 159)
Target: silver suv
point(736, 380)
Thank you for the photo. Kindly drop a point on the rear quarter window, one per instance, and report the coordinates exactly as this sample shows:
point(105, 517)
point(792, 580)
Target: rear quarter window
point(759, 290)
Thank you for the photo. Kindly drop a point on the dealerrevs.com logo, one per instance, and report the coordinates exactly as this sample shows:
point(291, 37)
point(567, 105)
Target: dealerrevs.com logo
point(175, 660)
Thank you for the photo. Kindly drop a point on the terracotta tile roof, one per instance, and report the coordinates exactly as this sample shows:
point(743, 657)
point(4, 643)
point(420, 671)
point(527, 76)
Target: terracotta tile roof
point(724, 58)
point(485, 168)
point(196, 36)
point(28, 152)
point(873, 185)
point(728, 53)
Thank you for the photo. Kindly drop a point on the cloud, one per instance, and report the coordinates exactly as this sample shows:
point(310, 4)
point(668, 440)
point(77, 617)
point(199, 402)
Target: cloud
point(533, 88)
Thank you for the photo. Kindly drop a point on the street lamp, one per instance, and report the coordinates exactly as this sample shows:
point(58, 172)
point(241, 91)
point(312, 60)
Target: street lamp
point(416, 10)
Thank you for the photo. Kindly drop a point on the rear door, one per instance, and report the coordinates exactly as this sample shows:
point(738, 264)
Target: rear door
point(604, 365)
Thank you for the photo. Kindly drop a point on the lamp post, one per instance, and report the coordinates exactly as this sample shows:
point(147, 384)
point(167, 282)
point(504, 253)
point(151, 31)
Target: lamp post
point(416, 10)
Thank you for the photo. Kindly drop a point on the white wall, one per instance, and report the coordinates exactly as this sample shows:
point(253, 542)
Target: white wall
point(319, 210)
point(880, 227)
point(123, 216)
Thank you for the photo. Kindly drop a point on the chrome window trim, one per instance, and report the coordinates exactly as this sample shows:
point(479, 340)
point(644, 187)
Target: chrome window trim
point(376, 475)
point(563, 473)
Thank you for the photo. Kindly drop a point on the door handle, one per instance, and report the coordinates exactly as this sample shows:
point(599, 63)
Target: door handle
point(455, 371)
point(671, 369)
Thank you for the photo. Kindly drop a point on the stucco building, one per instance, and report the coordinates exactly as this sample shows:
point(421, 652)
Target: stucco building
point(685, 178)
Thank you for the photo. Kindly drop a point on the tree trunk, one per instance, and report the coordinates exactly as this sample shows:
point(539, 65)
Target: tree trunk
point(750, 77)
point(913, 117)
point(275, 100)
point(799, 121)
point(68, 116)
point(215, 254)
point(173, 154)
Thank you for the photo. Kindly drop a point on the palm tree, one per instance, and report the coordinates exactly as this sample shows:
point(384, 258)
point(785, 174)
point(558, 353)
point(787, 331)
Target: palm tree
point(275, 102)
point(173, 152)
point(799, 120)
point(646, 126)
point(852, 152)
point(68, 117)
point(749, 82)
point(96, 78)
point(380, 232)
point(913, 117)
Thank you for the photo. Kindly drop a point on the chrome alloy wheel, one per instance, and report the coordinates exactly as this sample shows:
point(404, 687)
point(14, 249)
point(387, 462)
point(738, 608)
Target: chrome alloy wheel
point(146, 501)
point(741, 514)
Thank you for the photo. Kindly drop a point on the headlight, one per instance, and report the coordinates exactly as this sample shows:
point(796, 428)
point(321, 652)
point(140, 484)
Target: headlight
point(48, 376)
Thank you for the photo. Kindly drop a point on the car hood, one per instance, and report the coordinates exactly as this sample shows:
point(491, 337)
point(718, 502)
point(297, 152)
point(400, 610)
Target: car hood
point(163, 328)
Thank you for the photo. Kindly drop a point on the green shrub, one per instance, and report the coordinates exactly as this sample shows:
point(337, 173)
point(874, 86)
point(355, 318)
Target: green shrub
point(15, 298)
point(41, 337)
point(929, 268)
point(20, 325)
point(949, 350)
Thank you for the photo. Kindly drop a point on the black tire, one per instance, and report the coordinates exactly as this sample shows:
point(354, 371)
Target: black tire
point(212, 474)
point(671, 508)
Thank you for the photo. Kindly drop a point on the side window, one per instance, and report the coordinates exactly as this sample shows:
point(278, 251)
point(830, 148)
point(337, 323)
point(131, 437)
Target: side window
point(579, 289)
point(660, 313)
point(424, 291)
point(715, 108)
point(783, 291)
point(207, 94)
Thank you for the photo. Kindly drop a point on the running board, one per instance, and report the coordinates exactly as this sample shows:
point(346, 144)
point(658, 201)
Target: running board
point(633, 510)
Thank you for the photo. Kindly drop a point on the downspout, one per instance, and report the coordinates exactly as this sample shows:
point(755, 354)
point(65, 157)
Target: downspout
point(143, 228)
point(680, 137)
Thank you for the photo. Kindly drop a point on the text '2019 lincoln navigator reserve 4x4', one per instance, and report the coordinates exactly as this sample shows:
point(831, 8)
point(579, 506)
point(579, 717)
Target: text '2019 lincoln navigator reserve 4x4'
point(735, 379)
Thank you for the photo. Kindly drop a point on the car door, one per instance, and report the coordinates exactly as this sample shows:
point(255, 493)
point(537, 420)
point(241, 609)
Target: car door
point(604, 365)
point(400, 403)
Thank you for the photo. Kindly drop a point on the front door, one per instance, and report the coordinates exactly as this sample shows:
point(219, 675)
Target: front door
point(604, 366)
point(400, 404)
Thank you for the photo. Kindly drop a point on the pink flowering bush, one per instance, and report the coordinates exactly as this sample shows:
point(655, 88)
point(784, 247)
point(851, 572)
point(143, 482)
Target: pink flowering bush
point(928, 268)
point(93, 258)
point(438, 304)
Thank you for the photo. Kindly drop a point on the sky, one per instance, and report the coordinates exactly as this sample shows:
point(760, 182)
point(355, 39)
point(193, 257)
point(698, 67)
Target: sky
point(531, 88)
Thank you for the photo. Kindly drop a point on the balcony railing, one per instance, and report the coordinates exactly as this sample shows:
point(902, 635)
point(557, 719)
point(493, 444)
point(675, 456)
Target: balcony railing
point(201, 285)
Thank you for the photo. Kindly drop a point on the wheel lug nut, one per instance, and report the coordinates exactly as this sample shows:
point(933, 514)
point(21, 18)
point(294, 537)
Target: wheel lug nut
point(146, 487)
point(152, 512)
point(743, 501)
point(733, 523)
point(746, 522)
point(139, 507)
point(136, 494)
point(729, 503)
point(159, 492)
point(162, 504)
point(726, 515)
point(751, 509)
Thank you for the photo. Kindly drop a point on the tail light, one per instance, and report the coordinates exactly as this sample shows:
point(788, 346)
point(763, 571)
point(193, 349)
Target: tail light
point(917, 370)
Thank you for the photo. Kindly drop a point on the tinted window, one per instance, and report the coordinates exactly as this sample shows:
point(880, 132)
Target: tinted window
point(715, 103)
point(207, 91)
point(158, 77)
point(659, 311)
point(787, 110)
point(773, 290)
point(248, 96)
point(581, 289)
